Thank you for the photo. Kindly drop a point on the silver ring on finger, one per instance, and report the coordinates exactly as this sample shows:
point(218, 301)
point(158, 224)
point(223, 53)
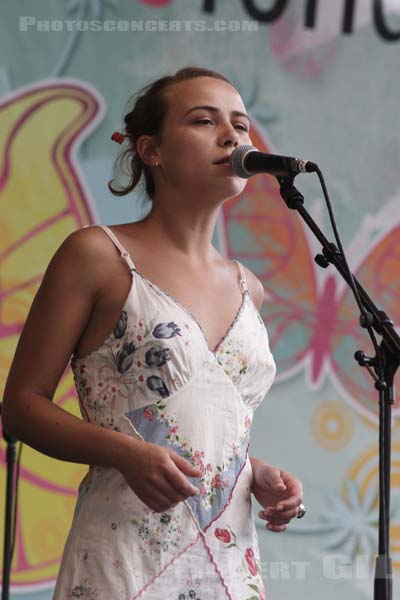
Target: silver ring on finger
point(301, 511)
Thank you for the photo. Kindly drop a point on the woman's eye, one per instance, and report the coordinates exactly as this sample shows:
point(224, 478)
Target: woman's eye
point(206, 121)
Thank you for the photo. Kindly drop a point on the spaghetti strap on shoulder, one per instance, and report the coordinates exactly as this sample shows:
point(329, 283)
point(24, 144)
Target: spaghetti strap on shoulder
point(125, 255)
point(242, 275)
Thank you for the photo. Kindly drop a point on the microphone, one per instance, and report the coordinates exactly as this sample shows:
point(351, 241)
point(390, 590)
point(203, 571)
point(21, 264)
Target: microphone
point(247, 161)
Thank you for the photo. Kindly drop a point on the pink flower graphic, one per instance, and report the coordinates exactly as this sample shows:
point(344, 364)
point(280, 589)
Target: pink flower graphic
point(217, 482)
point(198, 455)
point(223, 535)
point(251, 563)
point(148, 413)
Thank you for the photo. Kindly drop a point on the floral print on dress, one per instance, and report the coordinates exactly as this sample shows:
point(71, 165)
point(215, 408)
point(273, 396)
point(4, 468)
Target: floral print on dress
point(165, 331)
point(249, 569)
point(85, 591)
point(124, 357)
point(191, 594)
point(192, 590)
point(214, 479)
point(156, 384)
point(217, 481)
point(233, 359)
point(159, 533)
point(77, 591)
point(253, 578)
point(157, 356)
point(121, 326)
point(133, 361)
point(226, 536)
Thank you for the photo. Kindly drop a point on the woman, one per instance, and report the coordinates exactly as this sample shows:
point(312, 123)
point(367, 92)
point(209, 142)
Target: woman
point(168, 396)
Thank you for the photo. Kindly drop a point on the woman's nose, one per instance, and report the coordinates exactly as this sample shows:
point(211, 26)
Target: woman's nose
point(229, 136)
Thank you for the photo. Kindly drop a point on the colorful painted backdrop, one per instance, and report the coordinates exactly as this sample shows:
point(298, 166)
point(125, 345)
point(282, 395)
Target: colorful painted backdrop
point(320, 81)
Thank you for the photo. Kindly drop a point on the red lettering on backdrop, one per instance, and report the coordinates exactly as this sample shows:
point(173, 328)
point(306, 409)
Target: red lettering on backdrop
point(156, 3)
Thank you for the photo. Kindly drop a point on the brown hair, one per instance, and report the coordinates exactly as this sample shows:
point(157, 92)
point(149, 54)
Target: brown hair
point(147, 118)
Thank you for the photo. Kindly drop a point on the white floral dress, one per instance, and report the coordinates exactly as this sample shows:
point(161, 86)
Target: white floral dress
point(154, 378)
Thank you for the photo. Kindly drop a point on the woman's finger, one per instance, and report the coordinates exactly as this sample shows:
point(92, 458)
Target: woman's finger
point(279, 516)
point(289, 504)
point(276, 528)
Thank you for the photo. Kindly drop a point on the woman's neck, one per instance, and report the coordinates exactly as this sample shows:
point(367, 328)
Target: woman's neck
point(186, 230)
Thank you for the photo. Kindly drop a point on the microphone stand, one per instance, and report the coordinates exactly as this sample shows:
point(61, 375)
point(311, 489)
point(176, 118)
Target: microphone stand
point(11, 442)
point(382, 367)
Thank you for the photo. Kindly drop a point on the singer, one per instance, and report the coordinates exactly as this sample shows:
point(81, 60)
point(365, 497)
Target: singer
point(170, 359)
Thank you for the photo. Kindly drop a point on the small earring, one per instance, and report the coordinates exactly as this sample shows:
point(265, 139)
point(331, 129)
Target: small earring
point(156, 164)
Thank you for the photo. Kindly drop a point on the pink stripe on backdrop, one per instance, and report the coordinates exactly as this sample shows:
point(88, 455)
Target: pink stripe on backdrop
point(40, 481)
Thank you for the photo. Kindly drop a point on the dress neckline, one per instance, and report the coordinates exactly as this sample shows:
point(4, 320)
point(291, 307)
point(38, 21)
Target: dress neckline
point(245, 299)
point(245, 296)
point(242, 286)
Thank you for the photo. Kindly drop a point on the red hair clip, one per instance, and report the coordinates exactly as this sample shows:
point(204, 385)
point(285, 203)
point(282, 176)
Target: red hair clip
point(118, 137)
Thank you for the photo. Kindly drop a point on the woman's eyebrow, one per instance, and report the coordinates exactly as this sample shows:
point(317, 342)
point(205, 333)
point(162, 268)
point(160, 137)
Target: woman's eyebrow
point(214, 109)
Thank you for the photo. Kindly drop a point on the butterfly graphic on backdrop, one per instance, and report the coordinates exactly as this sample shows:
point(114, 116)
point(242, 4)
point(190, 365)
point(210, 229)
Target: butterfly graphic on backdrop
point(43, 199)
point(311, 317)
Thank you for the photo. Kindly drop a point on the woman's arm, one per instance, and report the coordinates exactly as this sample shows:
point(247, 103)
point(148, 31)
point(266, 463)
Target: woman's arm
point(74, 281)
point(279, 492)
point(58, 316)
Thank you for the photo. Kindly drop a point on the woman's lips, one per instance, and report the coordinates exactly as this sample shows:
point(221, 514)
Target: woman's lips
point(223, 161)
point(226, 165)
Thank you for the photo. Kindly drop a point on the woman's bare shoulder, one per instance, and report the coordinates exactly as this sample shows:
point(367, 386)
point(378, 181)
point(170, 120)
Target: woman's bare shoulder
point(87, 243)
point(86, 253)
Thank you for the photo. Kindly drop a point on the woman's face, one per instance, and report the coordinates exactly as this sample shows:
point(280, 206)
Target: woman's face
point(205, 122)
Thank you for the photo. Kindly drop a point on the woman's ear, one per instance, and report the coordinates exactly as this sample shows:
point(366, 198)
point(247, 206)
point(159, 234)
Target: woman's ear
point(147, 149)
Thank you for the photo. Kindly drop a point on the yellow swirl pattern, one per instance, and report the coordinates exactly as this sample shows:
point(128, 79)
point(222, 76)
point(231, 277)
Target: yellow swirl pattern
point(332, 425)
point(44, 198)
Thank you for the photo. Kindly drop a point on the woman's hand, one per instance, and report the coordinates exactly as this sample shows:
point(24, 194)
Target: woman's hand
point(157, 475)
point(280, 494)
